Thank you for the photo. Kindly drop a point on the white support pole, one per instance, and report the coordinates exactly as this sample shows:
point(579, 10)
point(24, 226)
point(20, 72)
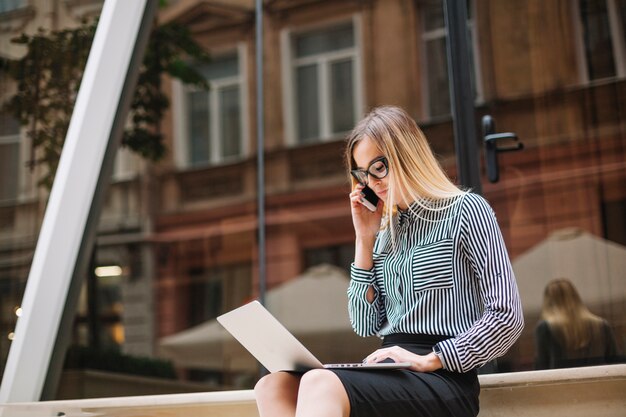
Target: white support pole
point(66, 224)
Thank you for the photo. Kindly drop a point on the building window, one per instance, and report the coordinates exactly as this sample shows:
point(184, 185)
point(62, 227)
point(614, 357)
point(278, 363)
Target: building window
point(603, 32)
point(10, 5)
point(323, 82)
point(213, 291)
point(213, 128)
point(9, 157)
point(338, 255)
point(434, 38)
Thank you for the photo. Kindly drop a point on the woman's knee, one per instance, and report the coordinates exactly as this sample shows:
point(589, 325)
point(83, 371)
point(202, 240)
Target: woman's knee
point(276, 384)
point(322, 390)
point(321, 382)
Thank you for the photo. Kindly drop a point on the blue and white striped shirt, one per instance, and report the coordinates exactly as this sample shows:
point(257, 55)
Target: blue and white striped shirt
point(448, 274)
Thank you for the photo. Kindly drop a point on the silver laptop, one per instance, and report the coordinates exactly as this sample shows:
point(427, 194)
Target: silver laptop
point(275, 347)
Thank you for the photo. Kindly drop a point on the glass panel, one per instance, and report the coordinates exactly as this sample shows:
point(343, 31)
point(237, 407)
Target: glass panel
point(621, 6)
point(9, 125)
point(438, 91)
point(307, 101)
point(9, 5)
point(228, 113)
point(9, 153)
point(181, 248)
point(342, 96)
point(597, 38)
point(561, 202)
point(473, 69)
point(436, 58)
point(9, 159)
point(433, 15)
point(221, 67)
point(199, 127)
point(328, 40)
point(470, 9)
point(339, 255)
point(230, 109)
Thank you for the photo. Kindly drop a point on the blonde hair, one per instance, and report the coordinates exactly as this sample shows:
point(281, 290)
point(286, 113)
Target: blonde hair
point(414, 173)
point(569, 319)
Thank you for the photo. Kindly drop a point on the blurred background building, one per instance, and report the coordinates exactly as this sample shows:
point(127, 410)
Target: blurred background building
point(177, 242)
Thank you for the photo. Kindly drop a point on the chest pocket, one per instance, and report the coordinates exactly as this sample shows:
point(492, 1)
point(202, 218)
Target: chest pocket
point(431, 266)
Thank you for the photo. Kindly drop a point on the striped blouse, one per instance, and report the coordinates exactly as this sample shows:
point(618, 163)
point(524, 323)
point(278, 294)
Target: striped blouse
point(447, 273)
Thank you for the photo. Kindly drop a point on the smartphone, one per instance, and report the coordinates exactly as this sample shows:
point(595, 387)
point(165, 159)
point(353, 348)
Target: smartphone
point(370, 199)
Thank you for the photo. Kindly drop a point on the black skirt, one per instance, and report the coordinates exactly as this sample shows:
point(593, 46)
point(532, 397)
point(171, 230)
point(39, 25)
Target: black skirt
point(405, 393)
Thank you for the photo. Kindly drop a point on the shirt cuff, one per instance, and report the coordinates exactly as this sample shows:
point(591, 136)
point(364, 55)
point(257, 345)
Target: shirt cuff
point(447, 352)
point(437, 351)
point(364, 276)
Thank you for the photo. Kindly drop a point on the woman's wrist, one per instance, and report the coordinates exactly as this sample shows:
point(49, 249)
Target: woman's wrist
point(427, 363)
point(363, 252)
point(365, 242)
point(434, 362)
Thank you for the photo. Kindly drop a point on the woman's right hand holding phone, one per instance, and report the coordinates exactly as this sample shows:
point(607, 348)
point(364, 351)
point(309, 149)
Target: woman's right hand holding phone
point(366, 223)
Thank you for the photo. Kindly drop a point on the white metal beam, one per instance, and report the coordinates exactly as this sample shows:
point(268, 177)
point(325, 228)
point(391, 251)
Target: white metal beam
point(66, 226)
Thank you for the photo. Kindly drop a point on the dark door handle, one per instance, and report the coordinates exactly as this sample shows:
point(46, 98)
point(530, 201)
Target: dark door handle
point(491, 147)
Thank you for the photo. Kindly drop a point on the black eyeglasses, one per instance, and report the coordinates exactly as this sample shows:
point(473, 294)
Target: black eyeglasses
point(379, 168)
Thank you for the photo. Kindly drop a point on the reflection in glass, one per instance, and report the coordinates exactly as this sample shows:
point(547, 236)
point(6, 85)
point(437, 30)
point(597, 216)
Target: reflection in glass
point(214, 118)
point(333, 39)
point(199, 127)
point(435, 43)
point(433, 15)
point(324, 91)
point(10, 5)
point(342, 94)
point(307, 102)
point(230, 121)
point(186, 238)
point(569, 334)
point(439, 95)
point(597, 39)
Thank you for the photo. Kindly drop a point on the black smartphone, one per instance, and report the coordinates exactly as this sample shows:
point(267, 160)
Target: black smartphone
point(370, 199)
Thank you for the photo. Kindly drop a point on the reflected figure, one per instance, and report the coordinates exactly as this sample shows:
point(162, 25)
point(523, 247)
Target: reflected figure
point(569, 334)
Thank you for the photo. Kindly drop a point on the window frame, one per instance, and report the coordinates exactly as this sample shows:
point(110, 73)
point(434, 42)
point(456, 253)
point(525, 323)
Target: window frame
point(15, 141)
point(617, 41)
point(442, 32)
point(324, 60)
point(22, 5)
point(127, 165)
point(182, 158)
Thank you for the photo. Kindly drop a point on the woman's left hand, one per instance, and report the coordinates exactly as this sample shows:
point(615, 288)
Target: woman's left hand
point(419, 363)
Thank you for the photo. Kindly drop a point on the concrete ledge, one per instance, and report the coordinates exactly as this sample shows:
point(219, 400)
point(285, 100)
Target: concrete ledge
point(214, 404)
point(573, 392)
point(89, 383)
point(593, 391)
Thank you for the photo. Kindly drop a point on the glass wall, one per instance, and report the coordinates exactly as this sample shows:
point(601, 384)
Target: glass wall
point(560, 201)
point(177, 241)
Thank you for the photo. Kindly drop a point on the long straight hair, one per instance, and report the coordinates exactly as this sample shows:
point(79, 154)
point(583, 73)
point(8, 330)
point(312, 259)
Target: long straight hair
point(569, 319)
point(415, 175)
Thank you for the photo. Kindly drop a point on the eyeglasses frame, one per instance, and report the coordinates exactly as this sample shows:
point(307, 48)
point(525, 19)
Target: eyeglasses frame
point(355, 172)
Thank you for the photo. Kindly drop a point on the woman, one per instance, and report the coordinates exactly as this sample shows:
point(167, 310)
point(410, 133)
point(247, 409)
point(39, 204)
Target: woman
point(431, 275)
point(569, 334)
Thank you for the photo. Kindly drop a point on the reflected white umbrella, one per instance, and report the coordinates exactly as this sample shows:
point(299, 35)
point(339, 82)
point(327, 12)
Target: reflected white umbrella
point(313, 306)
point(597, 267)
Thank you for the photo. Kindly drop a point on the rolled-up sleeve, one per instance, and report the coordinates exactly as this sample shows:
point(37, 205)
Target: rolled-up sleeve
point(502, 320)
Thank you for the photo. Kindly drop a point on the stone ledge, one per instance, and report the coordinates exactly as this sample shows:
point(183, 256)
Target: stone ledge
point(595, 391)
point(553, 376)
point(573, 392)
